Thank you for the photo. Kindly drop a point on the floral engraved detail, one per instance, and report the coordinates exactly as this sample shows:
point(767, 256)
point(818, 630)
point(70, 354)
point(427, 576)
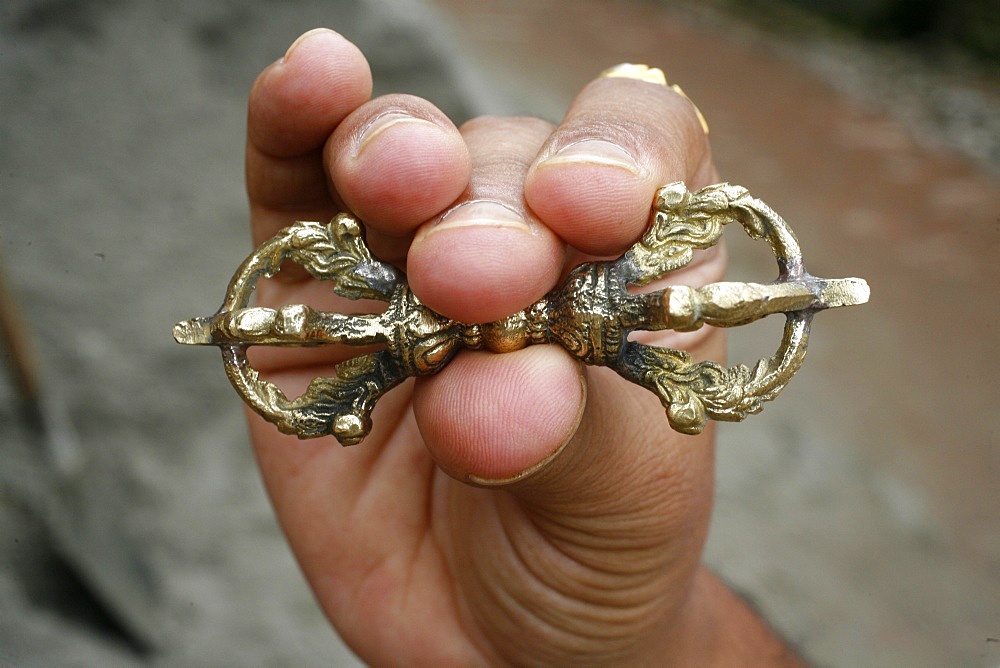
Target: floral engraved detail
point(694, 392)
point(337, 252)
point(685, 221)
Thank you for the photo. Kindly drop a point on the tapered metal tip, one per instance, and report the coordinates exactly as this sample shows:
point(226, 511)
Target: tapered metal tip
point(196, 332)
point(844, 292)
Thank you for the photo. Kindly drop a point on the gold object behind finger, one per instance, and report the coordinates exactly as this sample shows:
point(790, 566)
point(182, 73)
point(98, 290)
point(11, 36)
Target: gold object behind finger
point(652, 75)
point(591, 316)
point(636, 71)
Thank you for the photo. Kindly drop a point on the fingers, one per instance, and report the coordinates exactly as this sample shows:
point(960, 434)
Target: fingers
point(488, 256)
point(488, 417)
point(593, 183)
point(398, 161)
point(294, 106)
point(593, 180)
point(590, 457)
point(316, 145)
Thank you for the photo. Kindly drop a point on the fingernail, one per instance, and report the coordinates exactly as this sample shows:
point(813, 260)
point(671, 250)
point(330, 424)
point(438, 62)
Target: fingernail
point(594, 152)
point(481, 213)
point(302, 38)
point(527, 473)
point(383, 122)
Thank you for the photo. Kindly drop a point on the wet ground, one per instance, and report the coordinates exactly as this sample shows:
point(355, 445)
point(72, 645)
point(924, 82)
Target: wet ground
point(859, 512)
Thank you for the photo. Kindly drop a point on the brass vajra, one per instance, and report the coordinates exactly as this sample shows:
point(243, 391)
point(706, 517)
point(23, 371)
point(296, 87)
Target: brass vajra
point(591, 316)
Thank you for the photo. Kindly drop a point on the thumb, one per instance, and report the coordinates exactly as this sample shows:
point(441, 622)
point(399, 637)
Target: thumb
point(598, 510)
point(493, 419)
point(577, 445)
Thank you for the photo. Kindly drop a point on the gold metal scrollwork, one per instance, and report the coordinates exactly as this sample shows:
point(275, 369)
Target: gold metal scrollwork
point(590, 315)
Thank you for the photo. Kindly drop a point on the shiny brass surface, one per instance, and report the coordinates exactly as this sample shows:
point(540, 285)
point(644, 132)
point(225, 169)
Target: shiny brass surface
point(590, 315)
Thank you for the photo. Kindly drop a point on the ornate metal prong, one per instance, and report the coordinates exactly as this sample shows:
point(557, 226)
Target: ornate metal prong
point(290, 325)
point(590, 315)
point(691, 392)
point(733, 304)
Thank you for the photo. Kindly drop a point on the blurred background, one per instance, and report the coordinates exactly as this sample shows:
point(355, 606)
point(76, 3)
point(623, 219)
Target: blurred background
point(859, 512)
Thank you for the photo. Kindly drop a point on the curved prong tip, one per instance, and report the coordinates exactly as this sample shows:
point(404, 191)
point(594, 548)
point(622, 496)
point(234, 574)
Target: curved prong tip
point(844, 292)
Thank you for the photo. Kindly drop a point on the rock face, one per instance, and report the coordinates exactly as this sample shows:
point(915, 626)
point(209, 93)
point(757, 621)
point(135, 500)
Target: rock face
point(859, 522)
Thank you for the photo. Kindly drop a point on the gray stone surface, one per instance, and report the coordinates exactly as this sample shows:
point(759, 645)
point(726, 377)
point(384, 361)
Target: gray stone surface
point(123, 211)
point(863, 527)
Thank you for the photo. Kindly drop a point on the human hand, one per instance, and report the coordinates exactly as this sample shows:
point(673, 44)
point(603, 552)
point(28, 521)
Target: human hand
point(514, 507)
